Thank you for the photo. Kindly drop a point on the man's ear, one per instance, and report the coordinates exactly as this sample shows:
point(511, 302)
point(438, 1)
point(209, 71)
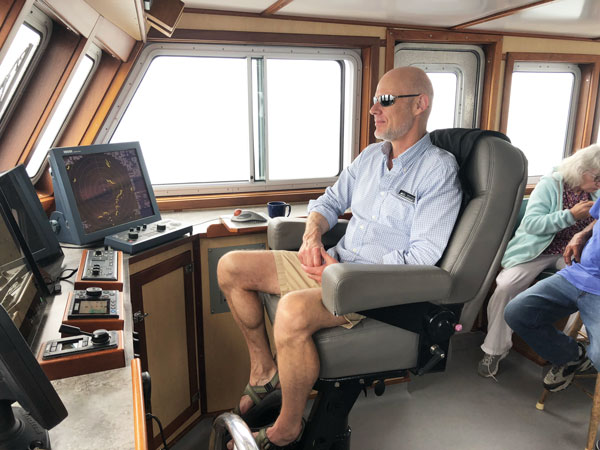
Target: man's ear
point(421, 104)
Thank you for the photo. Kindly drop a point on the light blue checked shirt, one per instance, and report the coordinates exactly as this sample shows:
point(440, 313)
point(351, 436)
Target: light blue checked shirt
point(399, 216)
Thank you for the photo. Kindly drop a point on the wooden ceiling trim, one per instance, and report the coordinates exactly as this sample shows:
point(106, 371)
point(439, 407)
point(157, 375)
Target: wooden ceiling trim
point(309, 19)
point(385, 24)
point(498, 15)
point(278, 5)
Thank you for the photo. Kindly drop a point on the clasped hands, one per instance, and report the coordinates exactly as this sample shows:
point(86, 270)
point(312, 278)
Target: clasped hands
point(314, 259)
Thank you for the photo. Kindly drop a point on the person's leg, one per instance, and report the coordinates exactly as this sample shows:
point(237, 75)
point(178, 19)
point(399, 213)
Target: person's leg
point(241, 275)
point(509, 283)
point(589, 308)
point(533, 312)
point(299, 315)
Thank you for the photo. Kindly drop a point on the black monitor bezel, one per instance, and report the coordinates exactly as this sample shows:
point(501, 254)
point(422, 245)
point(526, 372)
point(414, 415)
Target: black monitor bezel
point(18, 177)
point(13, 228)
point(22, 373)
point(65, 198)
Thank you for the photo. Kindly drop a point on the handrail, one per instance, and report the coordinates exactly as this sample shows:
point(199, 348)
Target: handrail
point(237, 428)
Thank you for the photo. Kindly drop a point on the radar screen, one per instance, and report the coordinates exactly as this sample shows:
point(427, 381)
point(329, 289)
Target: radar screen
point(109, 188)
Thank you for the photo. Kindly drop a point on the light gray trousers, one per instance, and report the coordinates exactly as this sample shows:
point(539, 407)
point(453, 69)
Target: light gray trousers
point(509, 283)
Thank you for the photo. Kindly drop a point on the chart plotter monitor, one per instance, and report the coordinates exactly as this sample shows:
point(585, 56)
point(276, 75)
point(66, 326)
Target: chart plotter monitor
point(100, 190)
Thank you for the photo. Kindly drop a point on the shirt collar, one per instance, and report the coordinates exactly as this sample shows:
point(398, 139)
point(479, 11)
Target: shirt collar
point(411, 154)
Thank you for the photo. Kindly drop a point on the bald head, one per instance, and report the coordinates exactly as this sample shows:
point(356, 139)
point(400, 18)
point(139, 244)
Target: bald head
point(403, 121)
point(408, 79)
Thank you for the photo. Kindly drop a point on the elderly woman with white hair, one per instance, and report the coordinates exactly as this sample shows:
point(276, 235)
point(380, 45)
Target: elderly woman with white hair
point(558, 208)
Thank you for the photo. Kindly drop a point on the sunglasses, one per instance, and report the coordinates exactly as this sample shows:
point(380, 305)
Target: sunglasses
point(388, 100)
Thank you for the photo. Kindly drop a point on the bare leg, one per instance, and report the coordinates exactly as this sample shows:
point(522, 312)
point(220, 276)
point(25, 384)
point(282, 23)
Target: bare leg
point(241, 274)
point(299, 315)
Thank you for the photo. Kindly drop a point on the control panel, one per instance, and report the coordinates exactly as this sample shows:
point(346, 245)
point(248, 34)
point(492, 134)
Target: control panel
point(100, 340)
point(101, 265)
point(144, 237)
point(94, 303)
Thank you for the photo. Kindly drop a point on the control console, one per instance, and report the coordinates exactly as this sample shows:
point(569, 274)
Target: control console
point(144, 237)
point(94, 303)
point(101, 265)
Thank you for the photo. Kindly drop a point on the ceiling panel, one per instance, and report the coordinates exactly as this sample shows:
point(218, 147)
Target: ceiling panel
point(439, 13)
point(122, 13)
point(252, 6)
point(579, 18)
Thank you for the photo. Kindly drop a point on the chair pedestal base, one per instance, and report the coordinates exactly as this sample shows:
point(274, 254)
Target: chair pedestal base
point(327, 426)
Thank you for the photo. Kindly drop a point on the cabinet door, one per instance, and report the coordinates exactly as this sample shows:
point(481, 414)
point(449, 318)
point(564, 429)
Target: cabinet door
point(162, 299)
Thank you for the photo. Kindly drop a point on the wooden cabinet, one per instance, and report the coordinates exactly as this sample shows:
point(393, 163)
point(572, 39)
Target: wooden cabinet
point(167, 317)
point(189, 343)
point(225, 351)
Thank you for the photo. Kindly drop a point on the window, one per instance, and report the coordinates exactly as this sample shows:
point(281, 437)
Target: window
point(456, 72)
point(233, 118)
point(20, 58)
point(541, 115)
point(63, 108)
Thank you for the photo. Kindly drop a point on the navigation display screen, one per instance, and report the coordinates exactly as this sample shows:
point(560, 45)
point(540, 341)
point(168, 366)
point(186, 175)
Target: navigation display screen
point(93, 307)
point(109, 188)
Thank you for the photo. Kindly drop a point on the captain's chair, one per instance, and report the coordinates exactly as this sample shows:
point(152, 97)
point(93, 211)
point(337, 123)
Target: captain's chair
point(411, 310)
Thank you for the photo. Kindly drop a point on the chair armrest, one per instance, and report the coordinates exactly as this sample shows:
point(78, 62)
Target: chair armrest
point(357, 287)
point(285, 233)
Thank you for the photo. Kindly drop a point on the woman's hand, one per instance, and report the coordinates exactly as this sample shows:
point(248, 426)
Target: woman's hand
point(575, 246)
point(582, 209)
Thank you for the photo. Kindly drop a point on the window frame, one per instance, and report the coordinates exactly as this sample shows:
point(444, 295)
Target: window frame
point(95, 54)
point(586, 111)
point(350, 116)
point(42, 24)
point(453, 62)
point(555, 67)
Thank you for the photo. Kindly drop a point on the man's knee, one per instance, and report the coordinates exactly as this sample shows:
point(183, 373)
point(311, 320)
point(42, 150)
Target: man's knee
point(227, 266)
point(513, 314)
point(291, 319)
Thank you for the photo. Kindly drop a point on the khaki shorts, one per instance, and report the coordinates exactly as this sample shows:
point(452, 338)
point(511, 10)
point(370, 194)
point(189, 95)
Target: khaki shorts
point(292, 277)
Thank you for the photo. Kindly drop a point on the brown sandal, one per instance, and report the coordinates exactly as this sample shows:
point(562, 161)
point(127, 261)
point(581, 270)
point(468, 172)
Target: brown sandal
point(258, 393)
point(264, 443)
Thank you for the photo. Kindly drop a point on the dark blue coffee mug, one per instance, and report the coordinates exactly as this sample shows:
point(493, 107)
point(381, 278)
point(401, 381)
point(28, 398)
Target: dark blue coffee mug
point(277, 209)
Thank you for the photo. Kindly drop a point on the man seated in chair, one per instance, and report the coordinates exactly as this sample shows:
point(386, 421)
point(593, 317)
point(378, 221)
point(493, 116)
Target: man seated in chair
point(405, 197)
point(575, 288)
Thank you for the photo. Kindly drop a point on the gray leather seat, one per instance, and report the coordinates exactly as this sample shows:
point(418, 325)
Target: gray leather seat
point(496, 173)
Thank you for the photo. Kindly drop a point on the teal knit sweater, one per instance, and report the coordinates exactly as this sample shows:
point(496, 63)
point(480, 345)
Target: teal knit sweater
point(544, 217)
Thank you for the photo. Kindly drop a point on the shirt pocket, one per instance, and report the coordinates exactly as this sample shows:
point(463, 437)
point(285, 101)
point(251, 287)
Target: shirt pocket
point(398, 212)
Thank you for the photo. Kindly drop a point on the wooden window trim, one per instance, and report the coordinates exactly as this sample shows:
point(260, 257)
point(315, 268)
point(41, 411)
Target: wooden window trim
point(492, 48)
point(588, 93)
point(39, 97)
point(9, 14)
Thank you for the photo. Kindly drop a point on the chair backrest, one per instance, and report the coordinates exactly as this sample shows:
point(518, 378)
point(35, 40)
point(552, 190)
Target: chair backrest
point(496, 173)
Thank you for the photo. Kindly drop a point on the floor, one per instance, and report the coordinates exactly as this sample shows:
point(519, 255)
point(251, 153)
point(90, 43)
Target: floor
point(457, 409)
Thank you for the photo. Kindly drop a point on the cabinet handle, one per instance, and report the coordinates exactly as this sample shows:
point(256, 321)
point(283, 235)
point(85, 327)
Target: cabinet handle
point(138, 316)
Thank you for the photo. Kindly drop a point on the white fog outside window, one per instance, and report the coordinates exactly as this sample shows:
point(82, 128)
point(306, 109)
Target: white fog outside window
point(190, 115)
point(304, 111)
point(444, 100)
point(65, 105)
point(543, 102)
point(217, 119)
point(16, 62)
point(20, 58)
